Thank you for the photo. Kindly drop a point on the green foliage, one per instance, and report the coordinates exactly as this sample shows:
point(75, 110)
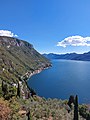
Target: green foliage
point(15, 106)
point(84, 111)
point(7, 91)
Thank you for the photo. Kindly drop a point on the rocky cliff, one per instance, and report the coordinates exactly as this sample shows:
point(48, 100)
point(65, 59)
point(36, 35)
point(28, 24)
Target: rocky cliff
point(18, 57)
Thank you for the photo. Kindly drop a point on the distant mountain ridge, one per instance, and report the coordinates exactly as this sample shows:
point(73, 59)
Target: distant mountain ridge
point(69, 56)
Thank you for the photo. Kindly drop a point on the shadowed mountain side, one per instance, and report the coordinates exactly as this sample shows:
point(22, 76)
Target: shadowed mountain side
point(69, 56)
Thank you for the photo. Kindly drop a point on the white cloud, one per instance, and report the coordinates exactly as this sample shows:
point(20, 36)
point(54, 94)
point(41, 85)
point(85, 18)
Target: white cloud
point(7, 33)
point(75, 41)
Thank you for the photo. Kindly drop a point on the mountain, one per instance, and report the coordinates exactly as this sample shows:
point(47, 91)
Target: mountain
point(18, 61)
point(69, 56)
point(18, 57)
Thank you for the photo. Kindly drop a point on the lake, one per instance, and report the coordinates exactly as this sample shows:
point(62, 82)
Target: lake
point(64, 78)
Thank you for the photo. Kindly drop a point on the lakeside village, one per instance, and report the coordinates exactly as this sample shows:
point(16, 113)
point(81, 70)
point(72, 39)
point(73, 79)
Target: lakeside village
point(25, 90)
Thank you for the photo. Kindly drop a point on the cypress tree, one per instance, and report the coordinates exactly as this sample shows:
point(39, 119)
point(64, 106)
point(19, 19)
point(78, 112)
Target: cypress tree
point(28, 115)
point(2, 86)
point(18, 90)
point(76, 108)
point(5, 91)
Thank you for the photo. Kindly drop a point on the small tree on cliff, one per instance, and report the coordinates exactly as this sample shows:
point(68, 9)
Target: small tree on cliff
point(2, 86)
point(71, 100)
point(18, 89)
point(76, 108)
point(28, 114)
point(5, 91)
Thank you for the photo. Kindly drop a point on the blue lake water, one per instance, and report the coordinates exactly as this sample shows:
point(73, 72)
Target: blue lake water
point(64, 78)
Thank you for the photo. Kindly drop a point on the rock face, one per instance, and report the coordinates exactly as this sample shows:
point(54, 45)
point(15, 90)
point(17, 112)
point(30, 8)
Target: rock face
point(12, 42)
point(18, 57)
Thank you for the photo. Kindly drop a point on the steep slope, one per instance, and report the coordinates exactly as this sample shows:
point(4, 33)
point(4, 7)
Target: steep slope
point(18, 57)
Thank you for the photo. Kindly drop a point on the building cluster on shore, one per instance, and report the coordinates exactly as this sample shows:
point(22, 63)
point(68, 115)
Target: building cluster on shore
point(36, 71)
point(25, 89)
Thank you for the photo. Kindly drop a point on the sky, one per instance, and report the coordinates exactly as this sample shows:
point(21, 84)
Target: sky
point(52, 26)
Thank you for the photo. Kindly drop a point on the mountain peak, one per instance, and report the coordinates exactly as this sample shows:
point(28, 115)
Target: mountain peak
point(11, 41)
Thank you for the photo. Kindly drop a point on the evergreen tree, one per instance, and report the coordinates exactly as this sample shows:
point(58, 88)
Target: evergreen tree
point(5, 91)
point(76, 108)
point(2, 86)
point(28, 114)
point(71, 100)
point(18, 90)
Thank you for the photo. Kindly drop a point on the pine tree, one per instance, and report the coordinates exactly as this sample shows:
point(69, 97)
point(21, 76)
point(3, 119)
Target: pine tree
point(76, 108)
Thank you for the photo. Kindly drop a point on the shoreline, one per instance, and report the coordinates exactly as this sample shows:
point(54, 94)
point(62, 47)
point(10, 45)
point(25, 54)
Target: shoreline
point(29, 74)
